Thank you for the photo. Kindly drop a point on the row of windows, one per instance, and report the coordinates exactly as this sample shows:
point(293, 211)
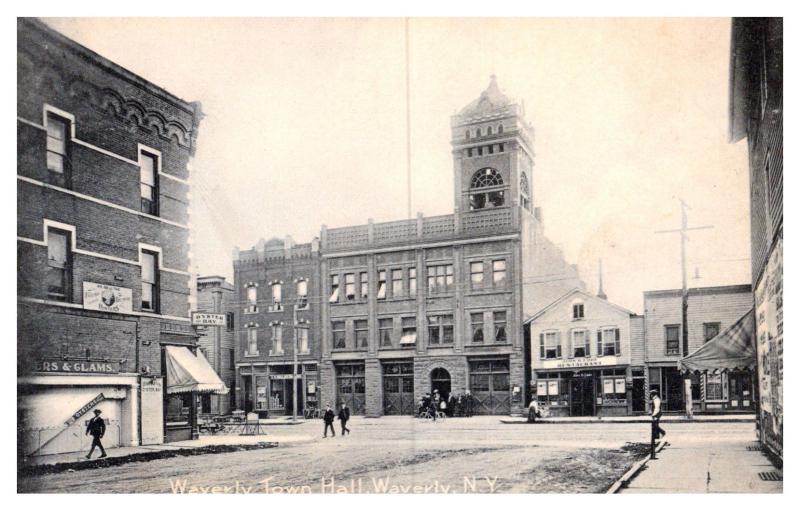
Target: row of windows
point(59, 167)
point(403, 283)
point(59, 271)
point(485, 149)
point(579, 344)
point(276, 349)
point(276, 296)
point(672, 336)
point(440, 331)
point(478, 132)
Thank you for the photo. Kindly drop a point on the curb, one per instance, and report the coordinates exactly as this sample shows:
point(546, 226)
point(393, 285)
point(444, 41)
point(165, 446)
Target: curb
point(633, 471)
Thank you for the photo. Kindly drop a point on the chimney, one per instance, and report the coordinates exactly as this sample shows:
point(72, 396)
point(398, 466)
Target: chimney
point(600, 293)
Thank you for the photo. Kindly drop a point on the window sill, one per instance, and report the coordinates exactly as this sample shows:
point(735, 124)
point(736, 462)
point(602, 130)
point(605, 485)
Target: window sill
point(444, 294)
point(251, 355)
point(248, 311)
point(278, 353)
point(440, 346)
point(350, 350)
point(271, 309)
point(352, 302)
point(489, 290)
point(488, 344)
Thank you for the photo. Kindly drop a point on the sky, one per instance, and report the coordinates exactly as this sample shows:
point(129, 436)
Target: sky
point(305, 124)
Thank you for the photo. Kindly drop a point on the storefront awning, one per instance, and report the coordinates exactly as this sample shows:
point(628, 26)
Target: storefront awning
point(187, 372)
point(733, 348)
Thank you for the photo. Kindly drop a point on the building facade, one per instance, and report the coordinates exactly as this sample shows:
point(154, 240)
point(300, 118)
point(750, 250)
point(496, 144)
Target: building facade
point(403, 308)
point(711, 310)
point(756, 112)
point(587, 357)
point(214, 295)
point(101, 246)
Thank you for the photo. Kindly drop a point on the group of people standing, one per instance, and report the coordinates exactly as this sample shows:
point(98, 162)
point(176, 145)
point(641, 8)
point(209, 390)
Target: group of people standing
point(329, 416)
point(453, 405)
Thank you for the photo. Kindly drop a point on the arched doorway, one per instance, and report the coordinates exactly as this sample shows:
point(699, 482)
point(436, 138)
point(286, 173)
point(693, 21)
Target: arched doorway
point(440, 380)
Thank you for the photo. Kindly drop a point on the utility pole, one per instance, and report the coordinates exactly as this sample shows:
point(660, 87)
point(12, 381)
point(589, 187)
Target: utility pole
point(408, 120)
point(294, 362)
point(685, 291)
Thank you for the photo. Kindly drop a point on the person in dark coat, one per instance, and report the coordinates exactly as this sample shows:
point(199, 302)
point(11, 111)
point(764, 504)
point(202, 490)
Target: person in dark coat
point(97, 428)
point(469, 404)
point(344, 415)
point(451, 405)
point(328, 419)
point(426, 403)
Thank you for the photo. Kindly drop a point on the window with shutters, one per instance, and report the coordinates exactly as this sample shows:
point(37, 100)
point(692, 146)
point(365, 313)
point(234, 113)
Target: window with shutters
point(581, 345)
point(550, 345)
point(608, 343)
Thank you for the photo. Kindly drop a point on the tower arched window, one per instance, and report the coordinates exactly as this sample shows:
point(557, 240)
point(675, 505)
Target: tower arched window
point(524, 192)
point(500, 129)
point(466, 134)
point(478, 132)
point(489, 130)
point(486, 189)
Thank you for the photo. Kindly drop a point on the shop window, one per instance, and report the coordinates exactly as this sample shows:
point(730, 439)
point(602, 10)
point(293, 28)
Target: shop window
point(440, 278)
point(500, 335)
point(59, 265)
point(577, 311)
point(334, 297)
point(252, 299)
point(498, 273)
point(364, 279)
point(397, 282)
point(362, 333)
point(381, 284)
point(338, 335)
point(440, 329)
point(302, 294)
point(550, 345)
point(483, 189)
point(608, 342)
point(276, 297)
point(714, 386)
point(412, 281)
point(552, 390)
point(672, 337)
point(580, 344)
point(350, 286)
point(148, 166)
point(58, 134)
point(476, 275)
point(149, 262)
point(613, 388)
point(408, 334)
point(277, 340)
point(476, 324)
point(385, 330)
point(710, 330)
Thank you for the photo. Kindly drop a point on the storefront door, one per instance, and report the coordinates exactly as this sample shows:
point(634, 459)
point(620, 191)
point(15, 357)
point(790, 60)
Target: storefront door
point(582, 396)
point(398, 388)
point(638, 396)
point(741, 391)
point(350, 387)
point(490, 387)
point(673, 382)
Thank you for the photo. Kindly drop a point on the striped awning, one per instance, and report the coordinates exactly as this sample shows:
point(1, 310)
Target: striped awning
point(733, 348)
point(187, 372)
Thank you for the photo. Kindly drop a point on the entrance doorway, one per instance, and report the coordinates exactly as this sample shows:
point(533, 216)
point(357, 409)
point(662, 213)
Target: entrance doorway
point(582, 395)
point(673, 389)
point(398, 388)
point(440, 380)
point(638, 396)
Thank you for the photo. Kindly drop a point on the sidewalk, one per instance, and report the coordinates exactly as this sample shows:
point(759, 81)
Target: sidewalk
point(702, 418)
point(706, 466)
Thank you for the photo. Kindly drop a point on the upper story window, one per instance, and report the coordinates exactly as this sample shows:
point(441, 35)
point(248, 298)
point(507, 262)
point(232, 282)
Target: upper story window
point(466, 134)
point(252, 298)
point(440, 278)
point(500, 327)
point(476, 275)
point(302, 293)
point(252, 341)
point(338, 335)
point(498, 272)
point(476, 325)
point(581, 346)
point(478, 132)
point(59, 265)
point(408, 332)
point(277, 339)
point(608, 342)
point(230, 321)
point(524, 192)
point(577, 310)
point(276, 297)
point(550, 345)
point(412, 281)
point(148, 164)
point(361, 327)
point(500, 129)
point(397, 282)
point(302, 338)
point(149, 281)
point(334, 289)
point(381, 284)
point(364, 285)
point(488, 130)
point(350, 286)
point(385, 331)
point(484, 190)
point(672, 337)
point(710, 330)
point(440, 329)
point(58, 132)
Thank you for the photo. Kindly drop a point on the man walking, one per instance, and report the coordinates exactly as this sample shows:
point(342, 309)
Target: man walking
point(658, 432)
point(328, 419)
point(344, 415)
point(533, 410)
point(97, 428)
point(469, 404)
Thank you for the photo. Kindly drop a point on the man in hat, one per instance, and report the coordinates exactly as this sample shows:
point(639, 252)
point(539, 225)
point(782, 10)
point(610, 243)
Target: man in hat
point(344, 415)
point(655, 409)
point(97, 428)
point(328, 419)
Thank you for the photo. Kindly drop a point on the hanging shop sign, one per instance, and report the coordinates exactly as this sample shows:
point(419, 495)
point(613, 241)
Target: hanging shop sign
point(208, 319)
point(107, 298)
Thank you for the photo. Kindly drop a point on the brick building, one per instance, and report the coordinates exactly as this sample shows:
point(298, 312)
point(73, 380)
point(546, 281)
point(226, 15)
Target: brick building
point(711, 310)
point(215, 295)
point(101, 246)
point(588, 357)
point(401, 308)
point(756, 112)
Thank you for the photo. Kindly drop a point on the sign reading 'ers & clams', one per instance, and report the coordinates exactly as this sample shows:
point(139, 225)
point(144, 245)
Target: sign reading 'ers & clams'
point(107, 298)
point(78, 367)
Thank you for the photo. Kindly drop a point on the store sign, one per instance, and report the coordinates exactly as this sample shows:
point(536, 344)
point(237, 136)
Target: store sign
point(603, 361)
point(78, 367)
point(208, 319)
point(85, 409)
point(107, 298)
point(283, 376)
